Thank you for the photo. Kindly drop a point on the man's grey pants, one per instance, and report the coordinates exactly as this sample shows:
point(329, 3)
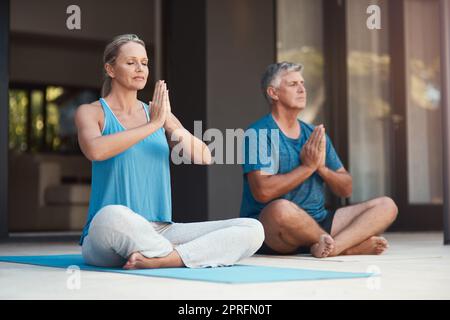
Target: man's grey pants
point(116, 232)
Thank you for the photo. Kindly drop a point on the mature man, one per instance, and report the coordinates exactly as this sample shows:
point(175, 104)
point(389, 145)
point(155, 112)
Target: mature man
point(288, 196)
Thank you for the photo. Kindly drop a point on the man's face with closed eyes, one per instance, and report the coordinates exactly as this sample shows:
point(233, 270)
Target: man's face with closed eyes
point(291, 91)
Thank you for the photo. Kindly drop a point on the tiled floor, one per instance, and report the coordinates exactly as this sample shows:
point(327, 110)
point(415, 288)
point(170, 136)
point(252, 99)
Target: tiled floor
point(417, 266)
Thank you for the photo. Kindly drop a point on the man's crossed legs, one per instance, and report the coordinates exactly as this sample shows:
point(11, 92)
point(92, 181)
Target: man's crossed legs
point(355, 230)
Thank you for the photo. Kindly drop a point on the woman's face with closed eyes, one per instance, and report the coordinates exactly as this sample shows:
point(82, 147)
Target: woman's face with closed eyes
point(130, 69)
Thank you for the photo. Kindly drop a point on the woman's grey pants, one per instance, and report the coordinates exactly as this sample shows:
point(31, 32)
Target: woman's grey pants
point(116, 232)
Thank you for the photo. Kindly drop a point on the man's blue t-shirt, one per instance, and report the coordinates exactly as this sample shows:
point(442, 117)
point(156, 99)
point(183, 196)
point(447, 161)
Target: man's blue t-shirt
point(264, 143)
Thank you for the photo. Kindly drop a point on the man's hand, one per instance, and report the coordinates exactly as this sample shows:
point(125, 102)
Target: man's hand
point(323, 150)
point(313, 152)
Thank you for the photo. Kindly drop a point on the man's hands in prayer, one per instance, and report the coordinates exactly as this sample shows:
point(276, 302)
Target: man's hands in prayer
point(313, 153)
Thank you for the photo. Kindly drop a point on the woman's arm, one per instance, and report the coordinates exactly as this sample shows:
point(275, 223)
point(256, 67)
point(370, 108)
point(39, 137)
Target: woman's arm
point(97, 147)
point(193, 148)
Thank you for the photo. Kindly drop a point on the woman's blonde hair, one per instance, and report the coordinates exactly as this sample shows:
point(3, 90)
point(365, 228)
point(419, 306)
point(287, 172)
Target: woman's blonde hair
point(110, 56)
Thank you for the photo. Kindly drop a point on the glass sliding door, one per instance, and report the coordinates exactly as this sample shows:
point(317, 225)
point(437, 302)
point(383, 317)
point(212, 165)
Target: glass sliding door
point(423, 111)
point(381, 91)
point(369, 105)
point(300, 40)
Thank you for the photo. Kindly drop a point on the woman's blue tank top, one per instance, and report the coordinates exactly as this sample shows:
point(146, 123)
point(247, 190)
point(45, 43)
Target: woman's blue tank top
point(138, 178)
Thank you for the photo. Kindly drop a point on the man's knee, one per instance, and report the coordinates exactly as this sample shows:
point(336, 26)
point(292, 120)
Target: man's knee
point(283, 214)
point(389, 206)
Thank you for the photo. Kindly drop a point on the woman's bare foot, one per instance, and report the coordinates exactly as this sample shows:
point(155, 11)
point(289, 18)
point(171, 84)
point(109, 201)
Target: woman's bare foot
point(138, 261)
point(324, 247)
point(372, 246)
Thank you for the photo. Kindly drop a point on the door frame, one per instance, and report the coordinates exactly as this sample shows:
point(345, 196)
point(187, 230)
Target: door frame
point(4, 116)
point(445, 67)
point(336, 86)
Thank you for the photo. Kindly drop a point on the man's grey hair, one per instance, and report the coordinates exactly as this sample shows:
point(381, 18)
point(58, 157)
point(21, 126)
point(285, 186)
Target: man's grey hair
point(273, 73)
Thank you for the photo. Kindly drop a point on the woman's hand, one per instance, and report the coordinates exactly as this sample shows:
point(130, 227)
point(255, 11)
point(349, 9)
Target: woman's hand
point(172, 122)
point(159, 107)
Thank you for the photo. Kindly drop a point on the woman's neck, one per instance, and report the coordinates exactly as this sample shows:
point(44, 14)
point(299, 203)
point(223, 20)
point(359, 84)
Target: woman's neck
point(123, 100)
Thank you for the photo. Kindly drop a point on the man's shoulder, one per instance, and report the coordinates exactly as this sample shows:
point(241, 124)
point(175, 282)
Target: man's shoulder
point(308, 126)
point(261, 123)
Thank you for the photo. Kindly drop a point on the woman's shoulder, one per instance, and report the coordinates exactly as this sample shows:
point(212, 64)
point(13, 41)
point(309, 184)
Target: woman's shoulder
point(91, 111)
point(92, 108)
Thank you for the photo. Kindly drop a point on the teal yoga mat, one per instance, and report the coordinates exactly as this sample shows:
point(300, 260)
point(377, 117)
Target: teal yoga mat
point(234, 274)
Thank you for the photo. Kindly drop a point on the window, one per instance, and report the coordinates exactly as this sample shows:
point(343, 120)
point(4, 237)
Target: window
point(41, 118)
point(299, 40)
point(369, 104)
point(423, 78)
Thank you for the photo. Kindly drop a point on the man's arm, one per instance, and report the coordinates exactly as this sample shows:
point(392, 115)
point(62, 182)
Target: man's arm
point(266, 187)
point(340, 181)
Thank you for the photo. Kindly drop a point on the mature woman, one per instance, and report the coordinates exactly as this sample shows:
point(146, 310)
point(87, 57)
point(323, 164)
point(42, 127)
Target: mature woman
point(129, 222)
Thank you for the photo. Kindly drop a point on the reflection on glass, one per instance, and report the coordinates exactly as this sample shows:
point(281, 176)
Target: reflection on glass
point(18, 104)
point(299, 40)
point(424, 141)
point(67, 106)
point(368, 102)
point(37, 120)
point(52, 138)
point(59, 104)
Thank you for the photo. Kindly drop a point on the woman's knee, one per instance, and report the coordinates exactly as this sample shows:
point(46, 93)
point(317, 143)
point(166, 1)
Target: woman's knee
point(112, 216)
point(113, 211)
point(255, 233)
point(111, 225)
point(100, 254)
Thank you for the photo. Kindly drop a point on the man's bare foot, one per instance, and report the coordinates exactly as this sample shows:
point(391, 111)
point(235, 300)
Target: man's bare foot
point(372, 246)
point(324, 247)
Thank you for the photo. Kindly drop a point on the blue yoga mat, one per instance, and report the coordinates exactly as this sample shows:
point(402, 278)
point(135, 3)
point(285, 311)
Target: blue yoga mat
point(234, 274)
